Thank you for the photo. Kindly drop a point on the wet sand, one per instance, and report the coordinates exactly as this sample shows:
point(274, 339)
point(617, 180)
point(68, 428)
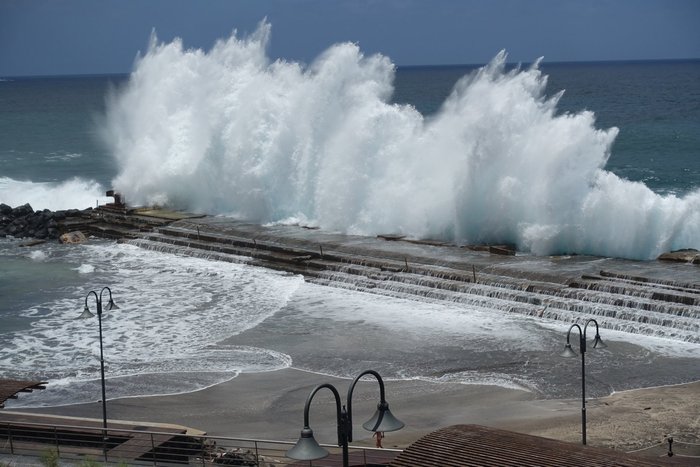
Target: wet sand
point(270, 406)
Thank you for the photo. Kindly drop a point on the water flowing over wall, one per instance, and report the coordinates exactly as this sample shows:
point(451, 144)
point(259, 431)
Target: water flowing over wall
point(228, 131)
point(667, 307)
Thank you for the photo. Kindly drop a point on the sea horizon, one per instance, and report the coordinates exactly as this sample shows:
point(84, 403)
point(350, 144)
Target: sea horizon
point(509, 64)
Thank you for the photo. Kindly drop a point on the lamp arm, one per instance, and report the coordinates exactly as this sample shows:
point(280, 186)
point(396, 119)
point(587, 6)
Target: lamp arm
point(108, 290)
point(580, 333)
point(97, 300)
point(382, 399)
point(586, 327)
point(341, 440)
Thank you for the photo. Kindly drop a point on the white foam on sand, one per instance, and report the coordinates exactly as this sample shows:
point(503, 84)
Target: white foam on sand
point(172, 312)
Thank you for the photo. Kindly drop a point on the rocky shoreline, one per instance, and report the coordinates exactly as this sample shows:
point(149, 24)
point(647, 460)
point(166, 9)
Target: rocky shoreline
point(24, 222)
point(113, 220)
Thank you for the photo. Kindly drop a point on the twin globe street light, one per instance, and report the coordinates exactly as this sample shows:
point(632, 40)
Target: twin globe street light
point(88, 314)
point(308, 449)
point(569, 352)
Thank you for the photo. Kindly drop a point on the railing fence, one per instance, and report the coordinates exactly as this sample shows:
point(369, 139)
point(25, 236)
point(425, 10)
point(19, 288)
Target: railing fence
point(90, 446)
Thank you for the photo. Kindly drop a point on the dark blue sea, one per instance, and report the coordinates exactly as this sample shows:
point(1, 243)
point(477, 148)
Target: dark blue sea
point(600, 159)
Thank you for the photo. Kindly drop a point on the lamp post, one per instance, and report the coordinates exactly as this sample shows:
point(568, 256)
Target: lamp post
point(88, 314)
point(308, 449)
point(569, 352)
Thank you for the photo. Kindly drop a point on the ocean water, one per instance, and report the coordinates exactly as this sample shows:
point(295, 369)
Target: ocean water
point(595, 158)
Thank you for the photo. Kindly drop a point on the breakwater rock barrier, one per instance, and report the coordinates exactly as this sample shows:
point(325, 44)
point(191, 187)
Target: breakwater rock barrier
point(24, 222)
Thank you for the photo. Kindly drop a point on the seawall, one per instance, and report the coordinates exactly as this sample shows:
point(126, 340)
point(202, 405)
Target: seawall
point(652, 297)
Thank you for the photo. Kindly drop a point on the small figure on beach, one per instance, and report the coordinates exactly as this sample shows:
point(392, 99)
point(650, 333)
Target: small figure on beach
point(378, 435)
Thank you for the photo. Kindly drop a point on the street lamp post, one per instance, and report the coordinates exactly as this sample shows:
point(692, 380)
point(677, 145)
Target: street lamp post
point(88, 314)
point(307, 448)
point(569, 352)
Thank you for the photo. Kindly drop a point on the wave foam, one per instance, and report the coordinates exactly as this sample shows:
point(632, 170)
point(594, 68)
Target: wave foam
point(170, 322)
point(230, 131)
point(71, 194)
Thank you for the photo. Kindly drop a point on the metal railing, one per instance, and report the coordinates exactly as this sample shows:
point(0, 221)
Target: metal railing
point(95, 446)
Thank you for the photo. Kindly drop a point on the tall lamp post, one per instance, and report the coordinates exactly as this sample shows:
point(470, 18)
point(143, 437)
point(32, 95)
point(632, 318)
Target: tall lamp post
point(308, 449)
point(88, 314)
point(569, 352)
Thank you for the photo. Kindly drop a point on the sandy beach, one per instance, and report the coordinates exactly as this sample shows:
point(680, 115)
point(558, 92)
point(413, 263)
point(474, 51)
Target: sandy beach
point(270, 406)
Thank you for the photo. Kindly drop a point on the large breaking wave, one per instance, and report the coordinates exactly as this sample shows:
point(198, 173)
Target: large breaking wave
point(230, 131)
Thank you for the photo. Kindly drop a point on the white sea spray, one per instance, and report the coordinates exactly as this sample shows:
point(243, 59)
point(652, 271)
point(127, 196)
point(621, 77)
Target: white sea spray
point(230, 131)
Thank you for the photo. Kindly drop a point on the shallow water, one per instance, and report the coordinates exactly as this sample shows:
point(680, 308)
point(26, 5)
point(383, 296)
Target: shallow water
point(185, 323)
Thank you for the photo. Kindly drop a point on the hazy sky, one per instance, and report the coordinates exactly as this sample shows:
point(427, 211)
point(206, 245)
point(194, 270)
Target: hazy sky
point(40, 37)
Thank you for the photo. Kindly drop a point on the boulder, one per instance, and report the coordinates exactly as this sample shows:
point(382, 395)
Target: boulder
point(688, 255)
point(73, 237)
point(59, 215)
point(23, 210)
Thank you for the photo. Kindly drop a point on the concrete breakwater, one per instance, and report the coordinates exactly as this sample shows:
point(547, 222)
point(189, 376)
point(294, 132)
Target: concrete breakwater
point(653, 298)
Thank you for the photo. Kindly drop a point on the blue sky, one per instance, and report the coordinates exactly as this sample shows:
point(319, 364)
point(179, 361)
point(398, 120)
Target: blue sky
point(50, 37)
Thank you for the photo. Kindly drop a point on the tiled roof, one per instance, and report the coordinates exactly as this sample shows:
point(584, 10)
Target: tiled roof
point(9, 388)
point(479, 446)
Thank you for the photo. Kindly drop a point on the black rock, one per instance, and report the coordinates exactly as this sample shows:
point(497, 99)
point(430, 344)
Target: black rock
point(23, 210)
point(36, 220)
